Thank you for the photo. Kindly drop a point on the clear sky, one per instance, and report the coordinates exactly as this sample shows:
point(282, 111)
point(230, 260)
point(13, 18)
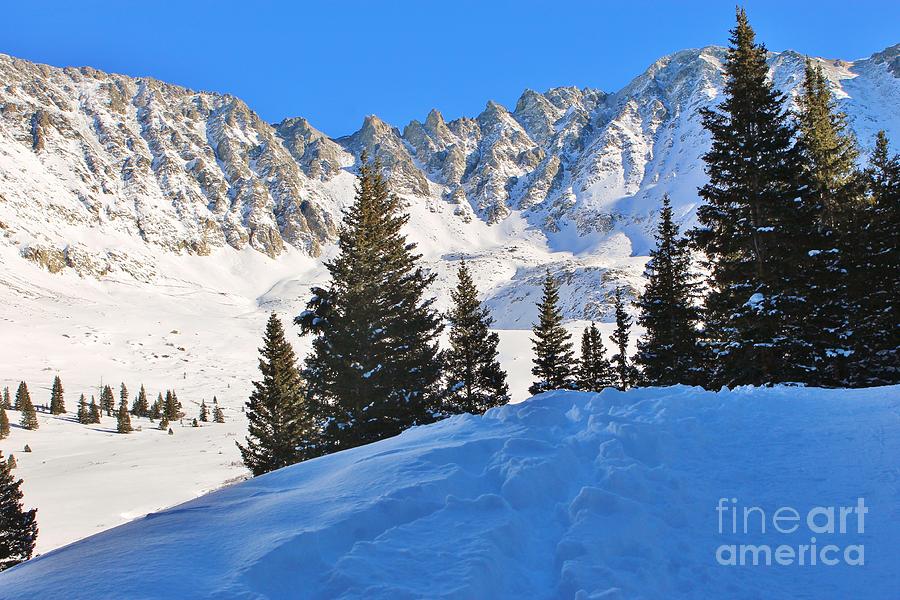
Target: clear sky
point(335, 62)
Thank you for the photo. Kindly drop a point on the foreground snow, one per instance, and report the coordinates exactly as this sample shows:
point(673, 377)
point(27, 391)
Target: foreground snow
point(609, 495)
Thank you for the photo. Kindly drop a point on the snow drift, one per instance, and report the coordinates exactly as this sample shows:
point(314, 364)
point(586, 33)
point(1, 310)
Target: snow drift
point(610, 495)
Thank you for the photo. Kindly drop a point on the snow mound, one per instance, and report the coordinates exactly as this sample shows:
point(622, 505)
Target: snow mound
point(569, 495)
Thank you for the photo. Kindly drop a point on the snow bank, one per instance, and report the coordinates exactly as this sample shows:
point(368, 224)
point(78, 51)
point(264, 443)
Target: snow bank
point(570, 495)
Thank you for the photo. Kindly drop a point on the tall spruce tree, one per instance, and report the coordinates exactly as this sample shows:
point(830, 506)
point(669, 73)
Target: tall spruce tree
point(5, 401)
point(156, 410)
point(204, 412)
point(18, 527)
point(4, 424)
point(874, 288)
point(669, 351)
point(57, 401)
point(554, 358)
point(594, 369)
point(625, 373)
point(84, 413)
point(172, 407)
point(123, 417)
point(218, 413)
point(374, 369)
point(832, 208)
point(282, 430)
point(750, 230)
point(475, 380)
point(141, 407)
point(28, 419)
point(94, 411)
point(107, 401)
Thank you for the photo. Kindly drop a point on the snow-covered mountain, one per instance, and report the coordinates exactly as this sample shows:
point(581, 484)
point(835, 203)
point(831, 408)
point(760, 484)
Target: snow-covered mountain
point(568, 495)
point(567, 176)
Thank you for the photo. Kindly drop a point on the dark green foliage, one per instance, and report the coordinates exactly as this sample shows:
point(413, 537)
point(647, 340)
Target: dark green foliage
point(11, 462)
point(141, 407)
point(204, 412)
point(156, 411)
point(164, 422)
point(475, 381)
point(107, 400)
point(374, 369)
point(669, 352)
point(57, 401)
point(554, 359)
point(749, 230)
point(18, 527)
point(123, 418)
point(84, 413)
point(594, 370)
point(194, 423)
point(172, 407)
point(218, 413)
point(625, 373)
point(4, 424)
point(28, 419)
point(281, 429)
point(94, 410)
point(5, 400)
point(875, 287)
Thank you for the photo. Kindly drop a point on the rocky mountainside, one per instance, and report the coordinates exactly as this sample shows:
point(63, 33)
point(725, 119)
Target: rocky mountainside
point(99, 173)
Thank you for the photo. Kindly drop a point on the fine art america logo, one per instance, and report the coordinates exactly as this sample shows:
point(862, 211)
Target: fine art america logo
point(831, 521)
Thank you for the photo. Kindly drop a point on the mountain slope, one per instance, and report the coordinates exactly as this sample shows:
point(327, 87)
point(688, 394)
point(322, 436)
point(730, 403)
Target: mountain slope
point(569, 495)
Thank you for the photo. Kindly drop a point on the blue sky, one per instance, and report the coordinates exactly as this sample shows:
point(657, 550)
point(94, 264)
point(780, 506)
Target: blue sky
point(335, 62)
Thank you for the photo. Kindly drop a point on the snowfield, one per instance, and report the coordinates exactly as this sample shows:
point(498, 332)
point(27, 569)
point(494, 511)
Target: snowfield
point(567, 495)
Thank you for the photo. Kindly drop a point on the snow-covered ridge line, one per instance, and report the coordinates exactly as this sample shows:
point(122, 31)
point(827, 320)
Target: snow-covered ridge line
point(566, 495)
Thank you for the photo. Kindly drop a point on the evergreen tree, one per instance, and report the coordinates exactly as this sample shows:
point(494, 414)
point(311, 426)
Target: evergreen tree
point(94, 411)
point(123, 418)
point(84, 413)
point(594, 370)
point(11, 462)
point(4, 424)
point(141, 407)
point(57, 402)
point(374, 369)
point(18, 527)
point(625, 374)
point(107, 400)
point(23, 401)
point(123, 395)
point(204, 412)
point(218, 413)
point(554, 359)
point(5, 401)
point(164, 423)
point(832, 207)
point(156, 410)
point(475, 380)
point(668, 352)
point(172, 406)
point(281, 429)
point(876, 336)
point(750, 230)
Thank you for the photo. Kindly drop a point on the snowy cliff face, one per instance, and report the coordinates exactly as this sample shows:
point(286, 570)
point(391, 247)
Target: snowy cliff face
point(570, 179)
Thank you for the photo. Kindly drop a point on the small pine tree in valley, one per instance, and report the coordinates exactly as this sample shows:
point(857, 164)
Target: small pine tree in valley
point(23, 400)
point(554, 358)
point(4, 424)
point(156, 411)
point(218, 413)
point(95, 411)
point(594, 369)
point(625, 374)
point(475, 380)
point(123, 417)
point(84, 413)
point(21, 394)
point(18, 527)
point(141, 407)
point(57, 402)
point(204, 412)
point(107, 401)
point(5, 400)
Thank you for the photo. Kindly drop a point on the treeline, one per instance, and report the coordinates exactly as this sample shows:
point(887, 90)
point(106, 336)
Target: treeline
point(798, 245)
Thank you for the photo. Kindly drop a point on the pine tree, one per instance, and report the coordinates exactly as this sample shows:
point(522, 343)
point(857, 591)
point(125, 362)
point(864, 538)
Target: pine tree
point(832, 207)
point(18, 527)
point(141, 407)
point(5, 401)
point(218, 413)
point(172, 407)
point(554, 359)
point(11, 462)
point(94, 411)
point(874, 288)
point(164, 423)
point(156, 410)
point(750, 230)
point(669, 351)
point(374, 369)
point(625, 374)
point(4, 424)
point(123, 418)
point(107, 400)
point(281, 429)
point(594, 370)
point(204, 412)
point(57, 402)
point(475, 380)
point(84, 413)
point(123, 395)
point(23, 401)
